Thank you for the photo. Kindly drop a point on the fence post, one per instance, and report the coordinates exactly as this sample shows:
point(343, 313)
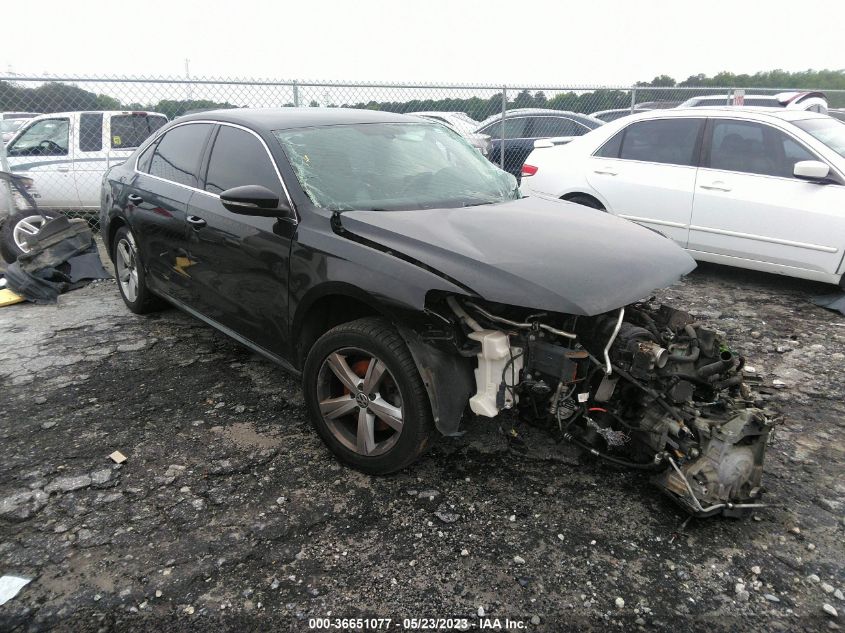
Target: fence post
point(6, 186)
point(504, 111)
point(633, 99)
point(295, 94)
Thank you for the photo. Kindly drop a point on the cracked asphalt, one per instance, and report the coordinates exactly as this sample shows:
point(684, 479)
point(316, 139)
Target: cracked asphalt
point(229, 514)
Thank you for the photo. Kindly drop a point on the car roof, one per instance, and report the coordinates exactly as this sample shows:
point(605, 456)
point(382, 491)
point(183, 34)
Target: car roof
point(724, 98)
point(538, 112)
point(636, 109)
point(17, 114)
point(269, 119)
point(436, 112)
point(542, 112)
point(748, 112)
point(57, 114)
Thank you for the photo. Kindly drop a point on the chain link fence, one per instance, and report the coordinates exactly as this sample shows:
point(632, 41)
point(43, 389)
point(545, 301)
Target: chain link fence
point(100, 120)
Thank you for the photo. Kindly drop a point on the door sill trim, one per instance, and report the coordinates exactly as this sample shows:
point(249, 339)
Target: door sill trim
point(278, 360)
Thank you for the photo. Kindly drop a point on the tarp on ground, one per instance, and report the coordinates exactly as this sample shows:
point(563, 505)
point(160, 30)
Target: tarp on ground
point(62, 255)
point(831, 302)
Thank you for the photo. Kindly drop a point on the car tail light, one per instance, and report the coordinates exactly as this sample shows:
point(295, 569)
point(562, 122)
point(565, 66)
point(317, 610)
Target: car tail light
point(528, 170)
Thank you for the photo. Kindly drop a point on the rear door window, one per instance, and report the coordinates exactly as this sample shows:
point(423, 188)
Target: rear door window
point(129, 131)
point(514, 128)
point(549, 126)
point(91, 131)
point(668, 141)
point(239, 158)
point(177, 155)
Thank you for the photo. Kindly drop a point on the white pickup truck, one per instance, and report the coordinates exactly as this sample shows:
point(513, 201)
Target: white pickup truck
point(65, 155)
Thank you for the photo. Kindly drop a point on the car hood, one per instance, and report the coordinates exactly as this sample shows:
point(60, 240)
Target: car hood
point(535, 252)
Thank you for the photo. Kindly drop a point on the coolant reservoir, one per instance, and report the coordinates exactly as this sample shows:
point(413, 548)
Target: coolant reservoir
point(496, 354)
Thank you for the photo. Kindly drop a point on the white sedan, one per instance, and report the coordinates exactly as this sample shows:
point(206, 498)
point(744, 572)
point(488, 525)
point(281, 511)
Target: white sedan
point(755, 188)
point(461, 123)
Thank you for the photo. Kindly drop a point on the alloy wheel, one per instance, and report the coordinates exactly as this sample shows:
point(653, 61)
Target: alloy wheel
point(360, 401)
point(28, 226)
point(126, 263)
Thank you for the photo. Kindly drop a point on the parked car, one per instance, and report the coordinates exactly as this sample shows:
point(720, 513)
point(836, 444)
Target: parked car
point(407, 280)
point(463, 125)
point(755, 188)
point(837, 113)
point(812, 101)
point(522, 126)
point(461, 122)
point(612, 115)
point(65, 154)
point(10, 122)
point(658, 105)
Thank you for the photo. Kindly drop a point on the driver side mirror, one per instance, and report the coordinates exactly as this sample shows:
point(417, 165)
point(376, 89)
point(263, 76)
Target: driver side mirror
point(811, 170)
point(255, 200)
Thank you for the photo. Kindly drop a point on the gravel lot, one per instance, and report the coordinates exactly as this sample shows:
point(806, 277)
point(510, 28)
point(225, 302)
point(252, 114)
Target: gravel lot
point(230, 515)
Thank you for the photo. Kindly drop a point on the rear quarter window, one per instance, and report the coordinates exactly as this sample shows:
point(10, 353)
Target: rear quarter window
point(611, 147)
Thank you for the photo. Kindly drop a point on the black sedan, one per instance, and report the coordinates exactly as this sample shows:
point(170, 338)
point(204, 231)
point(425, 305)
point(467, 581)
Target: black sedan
point(409, 282)
point(523, 126)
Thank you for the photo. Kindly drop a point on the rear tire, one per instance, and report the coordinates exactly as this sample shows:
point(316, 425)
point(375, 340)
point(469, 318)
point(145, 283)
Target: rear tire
point(26, 221)
point(365, 397)
point(587, 201)
point(131, 278)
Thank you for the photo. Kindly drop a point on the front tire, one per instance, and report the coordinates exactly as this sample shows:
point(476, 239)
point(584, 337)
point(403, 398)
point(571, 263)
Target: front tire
point(131, 278)
point(365, 397)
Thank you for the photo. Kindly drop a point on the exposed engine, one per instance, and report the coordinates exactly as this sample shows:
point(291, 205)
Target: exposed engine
point(645, 387)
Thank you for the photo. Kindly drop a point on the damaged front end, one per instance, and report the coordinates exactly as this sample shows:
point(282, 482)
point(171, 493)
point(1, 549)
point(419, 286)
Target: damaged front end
point(644, 386)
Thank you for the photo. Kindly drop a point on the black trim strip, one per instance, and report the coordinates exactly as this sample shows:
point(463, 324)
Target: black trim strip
point(284, 364)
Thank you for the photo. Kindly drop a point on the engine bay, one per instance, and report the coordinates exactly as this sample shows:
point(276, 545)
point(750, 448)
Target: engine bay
point(645, 386)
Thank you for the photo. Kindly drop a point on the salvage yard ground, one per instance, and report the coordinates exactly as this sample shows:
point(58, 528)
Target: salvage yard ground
point(230, 514)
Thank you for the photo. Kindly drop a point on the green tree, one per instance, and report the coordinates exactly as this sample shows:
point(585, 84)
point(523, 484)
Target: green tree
point(523, 100)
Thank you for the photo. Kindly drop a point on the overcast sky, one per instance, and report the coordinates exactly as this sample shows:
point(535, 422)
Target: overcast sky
point(493, 41)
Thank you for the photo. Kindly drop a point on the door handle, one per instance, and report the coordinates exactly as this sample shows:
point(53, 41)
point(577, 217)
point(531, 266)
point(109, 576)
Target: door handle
point(716, 186)
point(63, 169)
point(606, 172)
point(134, 198)
point(196, 221)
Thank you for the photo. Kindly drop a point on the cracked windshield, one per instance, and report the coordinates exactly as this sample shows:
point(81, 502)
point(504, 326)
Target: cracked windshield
point(392, 166)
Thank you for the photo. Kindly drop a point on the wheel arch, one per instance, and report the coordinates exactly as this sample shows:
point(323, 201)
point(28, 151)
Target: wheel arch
point(328, 306)
point(583, 194)
point(447, 376)
point(114, 224)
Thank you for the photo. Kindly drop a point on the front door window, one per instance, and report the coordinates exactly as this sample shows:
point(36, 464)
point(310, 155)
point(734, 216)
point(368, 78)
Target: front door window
point(48, 137)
